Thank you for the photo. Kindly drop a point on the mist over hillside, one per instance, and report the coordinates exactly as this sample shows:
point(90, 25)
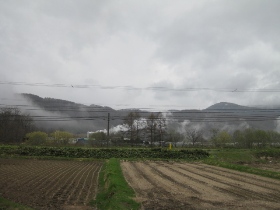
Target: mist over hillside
point(53, 114)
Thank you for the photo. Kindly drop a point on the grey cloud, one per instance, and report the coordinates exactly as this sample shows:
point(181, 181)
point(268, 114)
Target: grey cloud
point(217, 29)
point(173, 44)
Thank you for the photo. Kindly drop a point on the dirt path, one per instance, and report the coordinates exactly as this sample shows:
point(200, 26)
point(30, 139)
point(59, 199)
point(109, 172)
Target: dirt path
point(165, 185)
point(49, 184)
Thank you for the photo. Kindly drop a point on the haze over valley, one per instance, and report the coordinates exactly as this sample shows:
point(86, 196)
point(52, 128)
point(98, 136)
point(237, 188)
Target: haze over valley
point(52, 114)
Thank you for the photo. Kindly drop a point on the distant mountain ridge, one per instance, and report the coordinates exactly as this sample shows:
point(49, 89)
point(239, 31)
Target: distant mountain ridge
point(80, 118)
point(227, 106)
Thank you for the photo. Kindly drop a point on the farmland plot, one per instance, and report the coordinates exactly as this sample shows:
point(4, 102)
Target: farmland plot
point(165, 185)
point(49, 184)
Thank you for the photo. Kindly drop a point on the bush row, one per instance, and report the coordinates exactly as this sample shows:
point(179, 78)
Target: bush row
point(102, 153)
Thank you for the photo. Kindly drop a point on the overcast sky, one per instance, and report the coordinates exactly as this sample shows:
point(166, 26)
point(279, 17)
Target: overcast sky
point(142, 54)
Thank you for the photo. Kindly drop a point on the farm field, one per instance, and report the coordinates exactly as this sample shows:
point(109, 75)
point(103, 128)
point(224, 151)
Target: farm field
point(181, 185)
point(49, 184)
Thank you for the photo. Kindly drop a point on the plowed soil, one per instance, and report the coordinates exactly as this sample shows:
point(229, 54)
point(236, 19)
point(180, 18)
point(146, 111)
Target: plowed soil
point(49, 184)
point(166, 185)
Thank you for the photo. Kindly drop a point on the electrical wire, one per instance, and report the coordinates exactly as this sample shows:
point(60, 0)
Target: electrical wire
point(128, 87)
point(193, 118)
point(99, 113)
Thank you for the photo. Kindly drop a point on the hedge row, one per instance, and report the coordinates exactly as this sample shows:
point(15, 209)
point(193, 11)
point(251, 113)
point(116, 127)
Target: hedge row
point(102, 153)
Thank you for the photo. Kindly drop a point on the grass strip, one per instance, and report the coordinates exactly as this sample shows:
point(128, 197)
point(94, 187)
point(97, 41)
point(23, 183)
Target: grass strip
point(114, 192)
point(9, 205)
point(241, 168)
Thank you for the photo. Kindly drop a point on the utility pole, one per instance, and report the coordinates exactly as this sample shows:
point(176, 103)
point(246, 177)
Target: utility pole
point(108, 126)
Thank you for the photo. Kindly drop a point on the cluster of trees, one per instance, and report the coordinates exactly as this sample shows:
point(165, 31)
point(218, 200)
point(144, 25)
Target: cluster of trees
point(155, 129)
point(98, 139)
point(55, 138)
point(247, 138)
point(17, 127)
point(255, 138)
point(36, 138)
point(152, 128)
point(14, 125)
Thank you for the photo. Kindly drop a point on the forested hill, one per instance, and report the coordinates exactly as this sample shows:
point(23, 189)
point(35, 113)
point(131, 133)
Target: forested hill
point(51, 104)
point(79, 118)
point(67, 115)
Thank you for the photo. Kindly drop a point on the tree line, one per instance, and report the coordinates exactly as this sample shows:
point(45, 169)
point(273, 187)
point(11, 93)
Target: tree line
point(153, 130)
point(14, 125)
point(17, 128)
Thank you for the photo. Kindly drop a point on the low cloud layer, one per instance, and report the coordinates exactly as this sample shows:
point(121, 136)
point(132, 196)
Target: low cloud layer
point(134, 54)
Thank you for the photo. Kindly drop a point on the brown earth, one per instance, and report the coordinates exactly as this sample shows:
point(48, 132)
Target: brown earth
point(175, 185)
point(49, 184)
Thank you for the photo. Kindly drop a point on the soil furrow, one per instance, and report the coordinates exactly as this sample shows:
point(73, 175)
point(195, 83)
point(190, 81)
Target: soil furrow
point(60, 195)
point(37, 180)
point(170, 178)
point(24, 174)
point(163, 195)
point(84, 189)
point(45, 175)
point(205, 182)
point(51, 179)
point(235, 185)
point(168, 187)
point(244, 175)
point(59, 179)
point(79, 177)
point(258, 181)
point(92, 191)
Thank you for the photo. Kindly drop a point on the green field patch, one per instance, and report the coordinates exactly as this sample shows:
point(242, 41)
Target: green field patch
point(243, 160)
point(268, 154)
point(233, 155)
point(114, 192)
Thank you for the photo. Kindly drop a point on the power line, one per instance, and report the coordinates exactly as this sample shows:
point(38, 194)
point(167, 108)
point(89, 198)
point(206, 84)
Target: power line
point(83, 108)
point(210, 115)
point(153, 88)
point(221, 118)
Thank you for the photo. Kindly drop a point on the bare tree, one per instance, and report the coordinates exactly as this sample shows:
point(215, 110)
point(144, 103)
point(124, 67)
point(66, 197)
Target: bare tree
point(156, 127)
point(133, 123)
point(161, 126)
point(151, 126)
point(174, 136)
point(193, 135)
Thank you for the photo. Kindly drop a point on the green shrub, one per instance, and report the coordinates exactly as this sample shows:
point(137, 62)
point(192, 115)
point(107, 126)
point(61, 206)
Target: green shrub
point(36, 138)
